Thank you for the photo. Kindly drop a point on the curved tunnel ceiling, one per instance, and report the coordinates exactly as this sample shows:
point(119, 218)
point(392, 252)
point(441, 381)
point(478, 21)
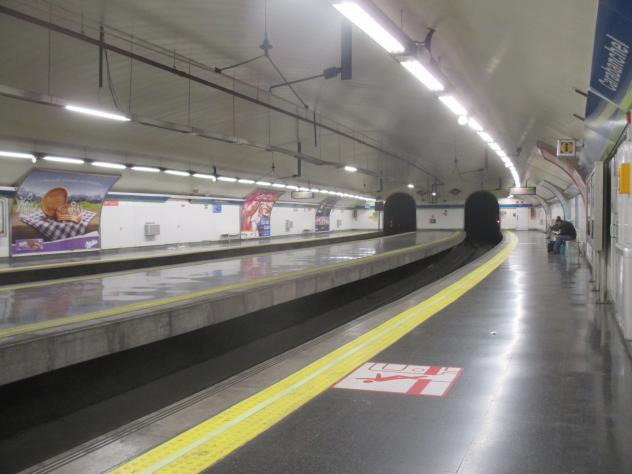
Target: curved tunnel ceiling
point(515, 64)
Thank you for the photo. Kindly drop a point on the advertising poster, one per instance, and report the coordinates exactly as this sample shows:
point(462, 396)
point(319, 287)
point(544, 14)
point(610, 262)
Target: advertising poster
point(323, 212)
point(58, 211)
point(256, 212)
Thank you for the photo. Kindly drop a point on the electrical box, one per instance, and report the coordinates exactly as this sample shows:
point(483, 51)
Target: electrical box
point(595, 215)
point(152, 229)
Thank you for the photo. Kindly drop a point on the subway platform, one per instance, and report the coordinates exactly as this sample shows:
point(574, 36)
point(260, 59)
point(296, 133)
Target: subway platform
point(506, 365)
point(26, 269)
point(49, 325)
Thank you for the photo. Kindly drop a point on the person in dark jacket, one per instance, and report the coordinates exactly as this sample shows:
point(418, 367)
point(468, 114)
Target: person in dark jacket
point(566, 232)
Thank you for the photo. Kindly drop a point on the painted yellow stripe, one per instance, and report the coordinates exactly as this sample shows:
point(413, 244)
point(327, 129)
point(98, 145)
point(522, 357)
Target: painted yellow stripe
point(143, 305)
point(203, 445)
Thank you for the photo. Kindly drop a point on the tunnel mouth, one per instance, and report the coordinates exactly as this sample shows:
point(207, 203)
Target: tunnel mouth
point(482, 219)
point(400, 214)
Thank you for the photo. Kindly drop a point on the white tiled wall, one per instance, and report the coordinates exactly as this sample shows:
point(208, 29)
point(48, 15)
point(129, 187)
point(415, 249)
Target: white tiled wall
point(181, 222)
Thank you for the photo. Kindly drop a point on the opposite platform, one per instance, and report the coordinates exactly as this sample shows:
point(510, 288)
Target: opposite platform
point(49, 325)
point(47, 267)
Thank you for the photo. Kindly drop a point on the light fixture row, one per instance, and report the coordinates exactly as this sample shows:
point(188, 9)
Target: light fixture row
point(367, 17)
point(152, 169)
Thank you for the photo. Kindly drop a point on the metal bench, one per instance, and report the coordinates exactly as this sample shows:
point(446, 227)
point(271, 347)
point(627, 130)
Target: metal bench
point(229, 237)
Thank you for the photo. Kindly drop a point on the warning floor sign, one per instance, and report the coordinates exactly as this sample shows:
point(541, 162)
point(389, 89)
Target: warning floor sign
point(432, 380)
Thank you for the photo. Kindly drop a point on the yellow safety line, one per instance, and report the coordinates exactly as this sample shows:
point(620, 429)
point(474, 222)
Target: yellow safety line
point(44, 266)
point(203, 445)
point(26, 328)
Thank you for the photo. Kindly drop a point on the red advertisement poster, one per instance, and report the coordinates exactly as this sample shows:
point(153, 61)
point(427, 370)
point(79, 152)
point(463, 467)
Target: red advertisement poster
point(256, 212)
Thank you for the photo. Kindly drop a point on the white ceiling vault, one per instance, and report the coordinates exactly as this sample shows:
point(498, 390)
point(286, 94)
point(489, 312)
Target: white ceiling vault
point(516, 64)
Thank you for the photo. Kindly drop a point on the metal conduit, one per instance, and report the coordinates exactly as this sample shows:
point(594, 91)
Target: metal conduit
point(150, 62)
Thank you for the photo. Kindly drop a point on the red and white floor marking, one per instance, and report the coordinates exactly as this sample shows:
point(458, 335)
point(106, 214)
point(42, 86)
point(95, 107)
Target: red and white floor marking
point(431, 380)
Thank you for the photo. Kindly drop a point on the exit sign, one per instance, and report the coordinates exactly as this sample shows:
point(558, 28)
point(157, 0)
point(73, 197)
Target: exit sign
point(528, 191)
point(302, 195)
point(566, 148)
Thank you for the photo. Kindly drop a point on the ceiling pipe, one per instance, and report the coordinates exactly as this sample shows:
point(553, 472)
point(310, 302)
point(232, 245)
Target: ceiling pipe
point(158, 65)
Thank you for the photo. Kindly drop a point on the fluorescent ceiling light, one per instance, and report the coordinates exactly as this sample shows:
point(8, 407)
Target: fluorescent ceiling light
point(146, 169)
point(422, 74)
point(178, 172)
point(474, 125)
point(462, 120)
point(494, 146)
point(434, 193)
point(16, 154)
point(363, 20)
point(247, 181)
point(106, 164)
point(486, 137)
point(263, 183)
point(411, 186)
point(64, 159)
point(293, 188)
point(227, 179)
point(303, 189)
point(453, 104)
point(315, 190)
point(205, 176)
point(351, 169)
point(97, 113)
point(278, 185)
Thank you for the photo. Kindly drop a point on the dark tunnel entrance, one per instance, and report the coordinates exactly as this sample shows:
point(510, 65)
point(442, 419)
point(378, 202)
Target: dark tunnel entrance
point(482, 219)
point(400, 214)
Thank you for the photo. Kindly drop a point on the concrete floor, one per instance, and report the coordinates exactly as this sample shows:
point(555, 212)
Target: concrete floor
point(546, 387)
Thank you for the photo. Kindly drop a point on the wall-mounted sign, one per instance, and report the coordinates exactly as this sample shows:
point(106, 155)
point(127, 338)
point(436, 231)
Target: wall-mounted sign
point(217, 208)
point(256, 212)
point(528, 191)
point(566, 148)
point(302, 195)
point(58, 211)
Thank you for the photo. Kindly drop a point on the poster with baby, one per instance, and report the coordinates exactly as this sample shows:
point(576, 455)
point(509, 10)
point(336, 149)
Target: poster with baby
point(58, 211)
point(256, 212)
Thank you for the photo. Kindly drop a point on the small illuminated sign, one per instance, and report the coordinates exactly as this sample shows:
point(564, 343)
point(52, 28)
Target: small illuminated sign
point(566, 148)
point(528, 191)
point(302, 195)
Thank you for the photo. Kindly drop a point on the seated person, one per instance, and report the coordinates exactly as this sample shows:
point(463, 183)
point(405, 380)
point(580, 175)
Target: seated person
point(566, 231)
